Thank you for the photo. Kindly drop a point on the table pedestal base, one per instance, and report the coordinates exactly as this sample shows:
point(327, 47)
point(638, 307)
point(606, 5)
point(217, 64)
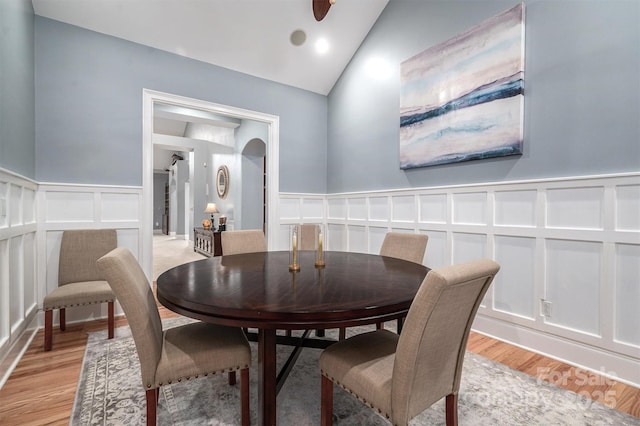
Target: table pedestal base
point(267, 377)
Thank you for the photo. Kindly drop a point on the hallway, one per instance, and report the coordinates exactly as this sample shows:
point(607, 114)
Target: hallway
point(169, 252)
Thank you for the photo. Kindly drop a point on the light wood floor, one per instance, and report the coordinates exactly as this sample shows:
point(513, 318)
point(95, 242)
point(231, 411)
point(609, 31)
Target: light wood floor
point(41, 389)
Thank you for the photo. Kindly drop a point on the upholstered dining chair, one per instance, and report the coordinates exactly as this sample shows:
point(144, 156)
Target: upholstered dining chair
point(400, 245)
point(243, 241)
point(404, 246)
point(179, 353)
point(400, 376)
point(79, 280)
point(308, 236)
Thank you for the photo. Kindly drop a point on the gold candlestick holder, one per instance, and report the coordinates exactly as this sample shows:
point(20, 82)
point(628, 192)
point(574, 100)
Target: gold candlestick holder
point(294, 231)
point(320, 241)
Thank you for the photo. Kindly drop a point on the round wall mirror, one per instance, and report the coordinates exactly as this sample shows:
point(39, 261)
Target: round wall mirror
point(222, 182)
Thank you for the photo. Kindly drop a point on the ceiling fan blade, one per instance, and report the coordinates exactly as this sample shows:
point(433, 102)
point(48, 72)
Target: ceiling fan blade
point(320, 8)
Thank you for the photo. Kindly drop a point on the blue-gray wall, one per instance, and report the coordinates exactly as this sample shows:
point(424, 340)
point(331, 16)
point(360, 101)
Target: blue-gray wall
point(89, 107)
point(17, 104)
point(251, 137)
point(582, 94)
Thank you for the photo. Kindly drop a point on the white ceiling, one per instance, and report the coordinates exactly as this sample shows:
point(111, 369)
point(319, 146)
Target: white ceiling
point(249, 36)
point(178, 122)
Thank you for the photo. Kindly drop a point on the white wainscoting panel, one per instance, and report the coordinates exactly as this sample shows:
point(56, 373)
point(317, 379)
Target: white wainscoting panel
point(628, 208)
point(3, 203)
point(357, 239)
point(290, 208)
point(15, 201)
point(573, 243)
point(18, 295)
point(627, 294)
point(433, 208)
point(337, 208)
point(313, 209)
point(116, 207)
point(514, 288)
point(575, 208)
point(470, 208)
point(437, 253)
point(403, 209)
point(379, 209)
point(468, 247)
point(515, 208)
point(29, 279)
point(69, 207)
point(337, 237)
point(376, 236)
point(573, 282)
point(16, 282)
point(5, 300)
point(29, 205)
point(357, 208)
point(283, 242)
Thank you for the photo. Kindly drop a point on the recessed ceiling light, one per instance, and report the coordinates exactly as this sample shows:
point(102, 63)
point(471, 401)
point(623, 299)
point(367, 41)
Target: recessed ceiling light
point(298, 37)
point(322, 46)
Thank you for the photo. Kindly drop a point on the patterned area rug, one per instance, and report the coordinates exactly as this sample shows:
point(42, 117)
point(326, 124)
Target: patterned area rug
point(110, 393)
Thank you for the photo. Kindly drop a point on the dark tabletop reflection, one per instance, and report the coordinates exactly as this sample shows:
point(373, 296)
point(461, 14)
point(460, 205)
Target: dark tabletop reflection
point(260, 285)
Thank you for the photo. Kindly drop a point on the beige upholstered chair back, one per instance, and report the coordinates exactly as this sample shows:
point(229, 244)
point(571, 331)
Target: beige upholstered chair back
point(308, 236)
point(244, 241)
point(79, 251)
point(431, 348)
point(130, 285)
point(404, 246)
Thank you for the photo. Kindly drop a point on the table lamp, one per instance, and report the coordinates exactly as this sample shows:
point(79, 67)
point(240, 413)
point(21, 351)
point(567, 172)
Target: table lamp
point(212, 209)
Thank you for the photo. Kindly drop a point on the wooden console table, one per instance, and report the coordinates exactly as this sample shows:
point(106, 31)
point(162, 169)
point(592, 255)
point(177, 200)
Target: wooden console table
point(207, 242)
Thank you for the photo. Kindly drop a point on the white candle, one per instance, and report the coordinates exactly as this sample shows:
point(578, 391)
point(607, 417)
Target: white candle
point(320, 246)
point(295, 245)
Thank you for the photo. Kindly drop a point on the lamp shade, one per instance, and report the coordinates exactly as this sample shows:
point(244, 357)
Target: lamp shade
point(211, 208)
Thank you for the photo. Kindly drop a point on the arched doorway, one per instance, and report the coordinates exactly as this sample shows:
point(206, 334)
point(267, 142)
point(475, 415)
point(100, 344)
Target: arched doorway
point(253, 161)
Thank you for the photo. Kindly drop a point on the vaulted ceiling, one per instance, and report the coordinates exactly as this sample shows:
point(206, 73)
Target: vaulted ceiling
point(255, 37)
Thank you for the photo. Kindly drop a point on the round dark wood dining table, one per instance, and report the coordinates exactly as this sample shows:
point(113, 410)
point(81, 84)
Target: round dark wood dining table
point(257, 290)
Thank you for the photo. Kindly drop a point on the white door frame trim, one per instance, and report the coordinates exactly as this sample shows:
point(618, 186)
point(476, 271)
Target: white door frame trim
point(149, 97)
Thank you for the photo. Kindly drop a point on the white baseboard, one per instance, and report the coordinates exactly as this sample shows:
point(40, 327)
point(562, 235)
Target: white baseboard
point(608, 364)
point(9, 363)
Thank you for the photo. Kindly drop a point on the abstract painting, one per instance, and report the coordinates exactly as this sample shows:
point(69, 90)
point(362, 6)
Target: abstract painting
point(463, 99)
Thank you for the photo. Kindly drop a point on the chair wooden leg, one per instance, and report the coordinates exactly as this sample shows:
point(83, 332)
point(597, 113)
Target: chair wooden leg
point(400, 323)
point(48, 329)
point(380, 326)
point(342, 333)
point(326, 404)
point(63, 319)
point(232, 378)
point(152, 404)
point(111, 319)
point(452, 409)
point(319, 333)
point(244, 397)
